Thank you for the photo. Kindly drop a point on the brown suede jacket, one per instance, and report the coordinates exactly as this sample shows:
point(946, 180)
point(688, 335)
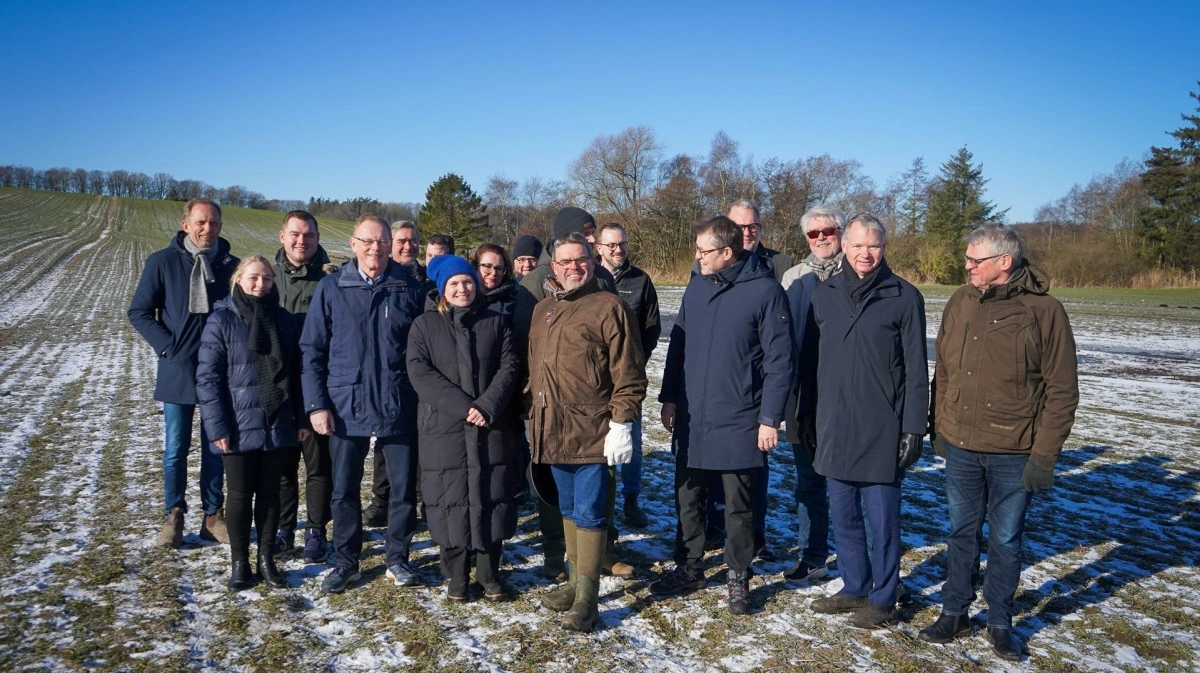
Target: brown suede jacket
point(585, 369)
point(1006, 378)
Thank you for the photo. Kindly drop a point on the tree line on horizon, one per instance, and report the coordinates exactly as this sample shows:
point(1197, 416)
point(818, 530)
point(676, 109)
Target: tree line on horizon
point(1133, 227)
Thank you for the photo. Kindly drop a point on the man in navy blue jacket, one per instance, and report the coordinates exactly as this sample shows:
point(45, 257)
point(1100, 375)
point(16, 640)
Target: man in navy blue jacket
point(173, 300)
point(356, 390)
point(732, 344)
point(866, 332)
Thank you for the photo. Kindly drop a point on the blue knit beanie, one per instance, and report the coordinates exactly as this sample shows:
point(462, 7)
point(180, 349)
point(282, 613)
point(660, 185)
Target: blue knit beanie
point(443, 267)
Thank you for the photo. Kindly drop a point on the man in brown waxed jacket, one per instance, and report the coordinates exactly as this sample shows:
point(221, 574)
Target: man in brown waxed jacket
point(587, 383)
point(1005, 393)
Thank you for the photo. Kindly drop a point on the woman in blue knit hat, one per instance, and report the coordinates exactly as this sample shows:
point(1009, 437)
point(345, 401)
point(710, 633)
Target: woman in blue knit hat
point(463, 365)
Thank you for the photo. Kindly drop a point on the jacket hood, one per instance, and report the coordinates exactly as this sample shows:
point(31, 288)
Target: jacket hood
point(320, 259)
point(1026, 280)
point(222, 247)
point(750, 267)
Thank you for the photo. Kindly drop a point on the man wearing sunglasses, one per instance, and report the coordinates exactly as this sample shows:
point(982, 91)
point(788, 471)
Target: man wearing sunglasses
point(823, 228)
point(1005, 392)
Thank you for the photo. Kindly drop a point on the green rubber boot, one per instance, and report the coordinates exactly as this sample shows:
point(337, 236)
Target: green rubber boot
point(584, 613)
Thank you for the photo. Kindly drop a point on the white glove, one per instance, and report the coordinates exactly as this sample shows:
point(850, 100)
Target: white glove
point(618, 443)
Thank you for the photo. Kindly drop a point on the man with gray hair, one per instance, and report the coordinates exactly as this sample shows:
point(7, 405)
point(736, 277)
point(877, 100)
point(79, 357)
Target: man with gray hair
point(1005, 392)
point(870, 394)
point(823, 229)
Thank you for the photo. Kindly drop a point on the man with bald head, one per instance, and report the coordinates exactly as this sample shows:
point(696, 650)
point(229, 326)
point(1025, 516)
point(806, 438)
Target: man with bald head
point(356, 391)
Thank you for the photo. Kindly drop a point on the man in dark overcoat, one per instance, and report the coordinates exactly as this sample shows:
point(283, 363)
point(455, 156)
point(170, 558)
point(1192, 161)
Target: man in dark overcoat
point(866, 332)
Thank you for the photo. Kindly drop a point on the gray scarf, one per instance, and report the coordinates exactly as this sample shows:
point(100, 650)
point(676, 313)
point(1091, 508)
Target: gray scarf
point(825, 269)
point(202, 275)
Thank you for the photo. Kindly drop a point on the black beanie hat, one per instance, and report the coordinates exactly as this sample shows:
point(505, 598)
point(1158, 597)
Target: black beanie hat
point(572, 220)
point(527, 246)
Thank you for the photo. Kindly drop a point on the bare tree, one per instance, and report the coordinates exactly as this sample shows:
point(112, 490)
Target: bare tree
point(500, 196)
point(616, 173)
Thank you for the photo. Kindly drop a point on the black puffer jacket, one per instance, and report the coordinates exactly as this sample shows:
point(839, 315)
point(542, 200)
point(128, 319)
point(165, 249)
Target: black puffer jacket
point(469, 475)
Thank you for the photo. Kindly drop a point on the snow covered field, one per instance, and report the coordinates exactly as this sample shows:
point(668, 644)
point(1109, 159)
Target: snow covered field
point(1111, 551)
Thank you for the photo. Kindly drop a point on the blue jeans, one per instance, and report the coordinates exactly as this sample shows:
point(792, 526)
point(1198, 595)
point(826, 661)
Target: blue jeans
point(812, 509)
point(349, 455)
point(979, 484)
point(177, 420)
point(875, 575)
point(631, 472)
point(582, 490)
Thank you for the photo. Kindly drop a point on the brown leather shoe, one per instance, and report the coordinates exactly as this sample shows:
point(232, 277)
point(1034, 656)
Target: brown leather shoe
point(213, 529)
point(171, 534)
point(613, 566)
point(873, 617)
point(839, 602)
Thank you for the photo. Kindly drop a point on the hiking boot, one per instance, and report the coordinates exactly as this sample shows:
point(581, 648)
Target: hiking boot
point(634, 516)
point(339, 579)
point(375, 516)
point(213, 529)
point(679, 580)
point(739, 592)
point(315, 549)
point(765, 555)
point(946, 628)
point(403, 575)
point(804, 572)
point(285, 541)
point(611, 565)
point(171, 534)
point(873, 617)
point(239, 576)
point(493, 592)
point(839, 602)
point(1003, 643)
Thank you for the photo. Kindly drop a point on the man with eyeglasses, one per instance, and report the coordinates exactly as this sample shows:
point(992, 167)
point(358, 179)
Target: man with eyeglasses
point(587, 382)
point(869, 392)
point(729, 363)
point(356, 391)
point(1006, 389)
point(822, 226)
point(635, 288)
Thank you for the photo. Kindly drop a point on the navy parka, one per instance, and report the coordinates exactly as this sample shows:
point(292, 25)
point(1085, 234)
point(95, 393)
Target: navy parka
point(732, 346)
point(353, 347)
point(159, 312)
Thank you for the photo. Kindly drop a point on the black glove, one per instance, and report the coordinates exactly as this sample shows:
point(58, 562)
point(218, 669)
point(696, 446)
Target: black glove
point(938, 443)
point(1036, 478)
point(808, 435)
point(910, 450)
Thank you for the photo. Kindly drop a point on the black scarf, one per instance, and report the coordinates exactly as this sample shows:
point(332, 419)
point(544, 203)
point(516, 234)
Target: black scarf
point(859, 288)
point(260, 314)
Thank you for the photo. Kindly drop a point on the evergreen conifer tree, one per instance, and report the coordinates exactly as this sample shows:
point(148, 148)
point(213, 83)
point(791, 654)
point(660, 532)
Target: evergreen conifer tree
point(452, 207)
point(1170, 228)
point(956, 206)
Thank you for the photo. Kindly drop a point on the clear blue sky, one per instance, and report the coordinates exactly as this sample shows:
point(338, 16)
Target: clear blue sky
point(379, 99)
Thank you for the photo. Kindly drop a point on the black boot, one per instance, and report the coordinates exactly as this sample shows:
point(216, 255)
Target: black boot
point(268, 570)
point(239, 576)
point(1003, 643)
point(946, 628)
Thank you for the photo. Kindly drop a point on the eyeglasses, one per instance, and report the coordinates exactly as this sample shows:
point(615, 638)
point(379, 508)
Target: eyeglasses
point(976, 262)
point(490, 267)
point(705, 252)
point(580, 261)
point(747, 228)
point(612, 246)
point(382, 242)
point(814, 234)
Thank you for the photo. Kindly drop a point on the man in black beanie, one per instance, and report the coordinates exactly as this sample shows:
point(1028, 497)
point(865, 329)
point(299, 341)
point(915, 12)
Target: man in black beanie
point(525, 253)
point(569, 220)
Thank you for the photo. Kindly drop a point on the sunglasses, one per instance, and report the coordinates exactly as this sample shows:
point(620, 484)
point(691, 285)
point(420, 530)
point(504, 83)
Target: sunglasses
point(816, 233)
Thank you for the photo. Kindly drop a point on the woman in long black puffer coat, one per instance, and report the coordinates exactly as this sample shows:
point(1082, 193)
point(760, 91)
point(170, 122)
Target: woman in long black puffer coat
point(462, 363)
point(248, 386)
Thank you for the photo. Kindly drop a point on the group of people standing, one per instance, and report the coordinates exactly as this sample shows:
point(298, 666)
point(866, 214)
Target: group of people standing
point(298, 358)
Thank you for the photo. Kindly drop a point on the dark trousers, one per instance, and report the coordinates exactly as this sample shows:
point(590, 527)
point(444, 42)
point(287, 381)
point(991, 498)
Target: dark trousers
point(691, 497)
point(979, 484)
point(456, 562)
point(252, 490)
point(714, 508)
point(381, 491)
point(349, 456)
point(318, 483)
point(875, 575)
